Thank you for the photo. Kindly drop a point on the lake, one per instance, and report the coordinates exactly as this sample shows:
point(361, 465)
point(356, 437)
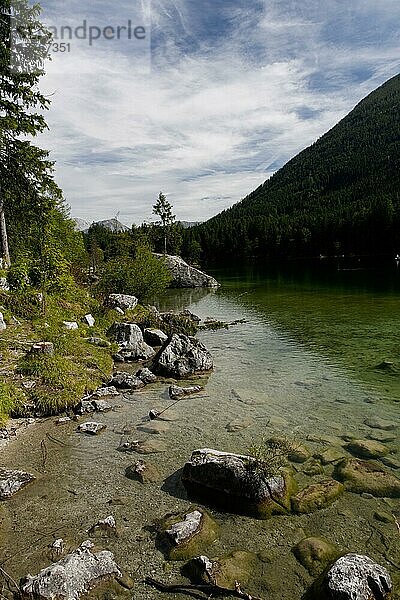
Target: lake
point(317, 356)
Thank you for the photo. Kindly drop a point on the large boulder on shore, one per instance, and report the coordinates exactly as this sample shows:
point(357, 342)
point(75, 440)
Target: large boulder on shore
point(234, 482)
point(183, 356)
point(185, 276)
point(122, 301)
point(72, 576)
point(129, 338)
point(354, 577)
point(155, 337)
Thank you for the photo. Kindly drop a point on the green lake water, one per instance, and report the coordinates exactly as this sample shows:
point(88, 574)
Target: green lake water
point(306, 363)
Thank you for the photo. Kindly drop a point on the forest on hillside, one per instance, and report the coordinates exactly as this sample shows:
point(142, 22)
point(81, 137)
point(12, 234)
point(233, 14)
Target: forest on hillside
point(339, 196)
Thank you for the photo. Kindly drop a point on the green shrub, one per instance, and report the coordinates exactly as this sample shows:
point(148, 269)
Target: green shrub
point(18, 277)
point(270, 456)
point(23, 303)
point(144, 276)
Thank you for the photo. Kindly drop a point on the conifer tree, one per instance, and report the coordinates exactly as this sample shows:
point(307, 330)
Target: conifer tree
point(28, 191)
point(163, 209)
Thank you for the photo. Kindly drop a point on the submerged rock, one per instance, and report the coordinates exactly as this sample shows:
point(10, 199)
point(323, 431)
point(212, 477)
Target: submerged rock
point(130, 340)
point(382, 436)
point(72, 576)
point(391, 461)
point(11, 481)
point(184, 356)
point(175, 391)
point(386, 365)
point(356, 577)
point(299, 453)
point(330, 455)
point(315, 554)
point(312, 467)
point(317, 496)
point(122, 302)
point(154, 427)
point(367, 448)
point(144, 447)
point(378, 423)
point(105, 527)
point(239, 424)
point(91, 427)
point(224, 571)
point(362, 476)
point(233, 481)
point(186, 535)
point(143, 471)
point(185, 276)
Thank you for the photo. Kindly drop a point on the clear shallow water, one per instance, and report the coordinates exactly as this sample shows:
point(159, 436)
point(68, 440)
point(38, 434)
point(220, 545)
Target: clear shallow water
point(302, 365)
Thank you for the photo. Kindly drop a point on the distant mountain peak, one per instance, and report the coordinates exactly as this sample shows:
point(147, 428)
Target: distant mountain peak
point(110, 224)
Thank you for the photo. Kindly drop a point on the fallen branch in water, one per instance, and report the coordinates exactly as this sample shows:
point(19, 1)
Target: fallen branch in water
point(208, 588)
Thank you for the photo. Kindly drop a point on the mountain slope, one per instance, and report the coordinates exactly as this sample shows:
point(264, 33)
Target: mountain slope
point(339, 195)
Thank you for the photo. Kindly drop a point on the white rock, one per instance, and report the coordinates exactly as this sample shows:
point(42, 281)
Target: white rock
point(184, 530)
point(4, 284)
point(91, 427)
point(89, 320)
point(72, 576)
point(357, 577)
point(3, 326)
point(122, 301)
point(11, 481)
point(185, 276)
point(70, 325)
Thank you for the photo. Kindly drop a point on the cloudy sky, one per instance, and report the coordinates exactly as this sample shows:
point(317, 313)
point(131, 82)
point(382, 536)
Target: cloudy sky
point(219, 95)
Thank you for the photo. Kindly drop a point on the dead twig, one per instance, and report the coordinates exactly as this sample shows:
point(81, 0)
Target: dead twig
point(206, 589)
point(7, 576)
point(60, 442)
point(43, 448)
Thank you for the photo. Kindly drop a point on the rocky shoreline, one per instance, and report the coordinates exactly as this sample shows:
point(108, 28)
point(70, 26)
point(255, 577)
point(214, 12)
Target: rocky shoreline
point(225, 483)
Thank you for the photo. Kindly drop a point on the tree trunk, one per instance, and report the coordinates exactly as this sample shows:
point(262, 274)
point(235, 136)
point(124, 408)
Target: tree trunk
point(3, 233)
point(165, 242)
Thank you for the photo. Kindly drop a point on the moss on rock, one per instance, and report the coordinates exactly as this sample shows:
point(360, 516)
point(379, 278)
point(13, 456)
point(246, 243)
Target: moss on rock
point(361, 476)
point(186, 535)
point(317, 496)
point(223, 571)
point(315, 554)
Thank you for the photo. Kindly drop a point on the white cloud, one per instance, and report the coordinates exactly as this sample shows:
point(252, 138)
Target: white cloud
point(206, 124)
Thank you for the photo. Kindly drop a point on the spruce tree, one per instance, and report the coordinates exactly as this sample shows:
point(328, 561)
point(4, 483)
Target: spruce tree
point(163, 209)
point(28, 192)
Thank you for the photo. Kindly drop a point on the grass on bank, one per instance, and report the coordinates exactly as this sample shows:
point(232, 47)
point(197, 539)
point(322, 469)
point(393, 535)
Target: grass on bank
point(60, 380)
